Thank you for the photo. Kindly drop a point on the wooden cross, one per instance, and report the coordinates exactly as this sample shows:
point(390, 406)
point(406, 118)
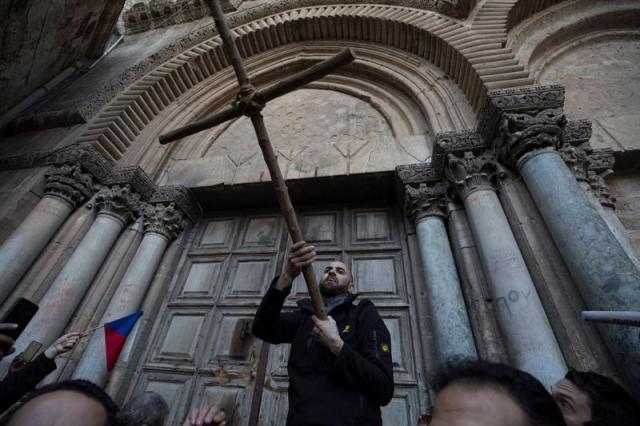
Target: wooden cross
point(250, 102)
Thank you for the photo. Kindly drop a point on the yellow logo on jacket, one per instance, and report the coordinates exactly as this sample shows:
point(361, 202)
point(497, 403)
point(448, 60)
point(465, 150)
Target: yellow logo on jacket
point(385, 348)
point(346, 329)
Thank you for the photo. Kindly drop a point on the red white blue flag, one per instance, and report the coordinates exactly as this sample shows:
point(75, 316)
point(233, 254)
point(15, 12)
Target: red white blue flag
point(115, 334)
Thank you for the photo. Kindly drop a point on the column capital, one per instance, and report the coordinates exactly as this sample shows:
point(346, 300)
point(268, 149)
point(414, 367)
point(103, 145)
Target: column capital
point(164, 219)
point(469, 172)
point(119, 201)
point(427, 199)
point(522, 121)
point(69, 182)
point(577, 160)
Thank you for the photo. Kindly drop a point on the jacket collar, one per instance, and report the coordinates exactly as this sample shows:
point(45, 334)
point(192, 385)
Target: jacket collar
point(306, 304)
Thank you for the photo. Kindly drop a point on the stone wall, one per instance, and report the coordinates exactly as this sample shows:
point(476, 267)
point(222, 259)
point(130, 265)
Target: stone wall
point(39, 40)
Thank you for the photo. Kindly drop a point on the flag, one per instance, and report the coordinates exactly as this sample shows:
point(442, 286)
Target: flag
point(115, 334)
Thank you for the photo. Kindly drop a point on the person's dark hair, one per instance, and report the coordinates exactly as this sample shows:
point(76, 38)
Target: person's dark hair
point(526, 390)
point(610, 403)
point(84, 387)
point(145, 408)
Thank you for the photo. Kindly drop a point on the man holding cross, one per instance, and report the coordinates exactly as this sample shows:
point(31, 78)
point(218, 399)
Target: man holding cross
point(340, 369)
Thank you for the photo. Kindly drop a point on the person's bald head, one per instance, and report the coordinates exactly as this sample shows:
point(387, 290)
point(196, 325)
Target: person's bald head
point(69, 403)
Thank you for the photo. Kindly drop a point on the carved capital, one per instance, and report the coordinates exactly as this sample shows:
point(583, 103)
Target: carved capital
point(181, 197)
point(471, 172)
point(577, 159)
point(69, 183)
point(522, 133)
point(456, 142)
point(527, 100)
point(426, 200)
point(601, 190)
point(577, 132)
point(166, 220)
point(119, 201)
point(602, 160)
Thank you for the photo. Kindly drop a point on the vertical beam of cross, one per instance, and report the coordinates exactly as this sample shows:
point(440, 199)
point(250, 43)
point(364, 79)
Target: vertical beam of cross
point(250, 102)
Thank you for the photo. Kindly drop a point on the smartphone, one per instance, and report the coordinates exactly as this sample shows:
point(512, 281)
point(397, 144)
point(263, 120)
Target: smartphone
point(21, 313)
point(31, 351)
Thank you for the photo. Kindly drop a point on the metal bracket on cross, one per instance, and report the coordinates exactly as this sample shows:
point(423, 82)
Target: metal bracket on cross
point(250, 102)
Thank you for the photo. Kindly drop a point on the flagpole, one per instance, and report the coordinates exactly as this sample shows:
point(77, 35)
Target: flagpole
point(86, 332)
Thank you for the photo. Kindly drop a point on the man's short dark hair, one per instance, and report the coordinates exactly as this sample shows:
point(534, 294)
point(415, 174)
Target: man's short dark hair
point(84, 387)
point(530, 395)
point(610, 403)
point(146, 408)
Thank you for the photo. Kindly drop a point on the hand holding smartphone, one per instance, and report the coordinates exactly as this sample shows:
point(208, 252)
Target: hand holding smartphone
point(14, 323)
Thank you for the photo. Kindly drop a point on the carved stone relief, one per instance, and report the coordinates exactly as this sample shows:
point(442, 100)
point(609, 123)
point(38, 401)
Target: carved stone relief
point(166, 220)
point(119, 201)
point(470, 172)
point(69, 183)
point(426, 200)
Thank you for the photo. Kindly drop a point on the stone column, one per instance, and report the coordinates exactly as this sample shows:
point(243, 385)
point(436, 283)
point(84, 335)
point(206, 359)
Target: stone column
point(590, 167)
point(162, 224)
point(66, 188)
point(480, 306)
point(529, 338)
point(427, 206)
point(116, 206)
point(604, 273)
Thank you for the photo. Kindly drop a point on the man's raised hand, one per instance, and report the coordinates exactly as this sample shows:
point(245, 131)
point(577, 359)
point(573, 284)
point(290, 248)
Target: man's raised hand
point(301, 256)
point(205, 416)
point(326, 332)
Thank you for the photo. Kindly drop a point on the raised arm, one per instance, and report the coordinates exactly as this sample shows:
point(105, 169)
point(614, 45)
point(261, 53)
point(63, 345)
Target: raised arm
point(269, 323)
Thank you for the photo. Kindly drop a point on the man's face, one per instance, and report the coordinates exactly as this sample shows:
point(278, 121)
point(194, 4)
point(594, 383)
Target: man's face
point(60, 408)
point(465, 405)
point(336, 280)
point(573, 403)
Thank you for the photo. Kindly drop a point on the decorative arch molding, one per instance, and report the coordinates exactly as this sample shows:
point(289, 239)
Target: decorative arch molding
point(442, 41)
point(413, 96)
point(540, 39)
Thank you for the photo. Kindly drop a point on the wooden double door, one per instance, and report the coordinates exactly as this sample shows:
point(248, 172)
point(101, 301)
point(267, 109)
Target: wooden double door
point(201, 350)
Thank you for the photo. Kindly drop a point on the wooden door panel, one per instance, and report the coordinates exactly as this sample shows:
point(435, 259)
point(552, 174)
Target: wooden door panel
point(249, 277)
point(233, 397)
point(218, 233)
point(261, 231)
point(372, 226)
point(379, 275)
point(322, 228)
point(231, 343)
point(179, 336)
point(403, 408)
point(202, 278)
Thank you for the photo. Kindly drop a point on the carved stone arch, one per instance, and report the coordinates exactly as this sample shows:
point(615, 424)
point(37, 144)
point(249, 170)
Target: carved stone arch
point(542, 37)
point(411, 94)
point(425, 34)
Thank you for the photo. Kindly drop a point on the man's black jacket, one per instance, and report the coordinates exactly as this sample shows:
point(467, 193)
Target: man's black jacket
point(324, 389)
